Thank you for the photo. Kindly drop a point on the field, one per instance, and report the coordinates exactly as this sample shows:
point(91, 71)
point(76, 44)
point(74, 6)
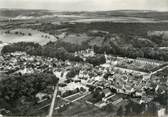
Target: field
point(81, 108)
point(118, 19)
point(76, 39)
point(26, 35)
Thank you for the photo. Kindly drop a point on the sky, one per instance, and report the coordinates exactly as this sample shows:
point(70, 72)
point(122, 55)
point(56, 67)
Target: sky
point(86, 5)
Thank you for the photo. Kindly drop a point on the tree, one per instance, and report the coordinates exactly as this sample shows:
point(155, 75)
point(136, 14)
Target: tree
point(99, 59)
point(120, 111)
point(16, 32)
point(15, 87)
point(73, 72)
point(29, 34)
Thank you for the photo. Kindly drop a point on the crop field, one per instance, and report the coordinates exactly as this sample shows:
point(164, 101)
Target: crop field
point(76, 39)
point(116, 19)
point(36, 36)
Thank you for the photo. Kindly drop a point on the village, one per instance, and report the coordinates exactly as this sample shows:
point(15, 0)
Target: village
point(114, 83)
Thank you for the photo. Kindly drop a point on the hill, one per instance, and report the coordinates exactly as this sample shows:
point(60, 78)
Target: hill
point(129, 33)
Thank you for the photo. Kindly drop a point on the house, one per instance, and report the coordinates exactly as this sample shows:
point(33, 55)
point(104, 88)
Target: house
point(139, 93)
point(83, 75)
point(106, 65)
point(85, 53)
point(25, 71)
point(160, 89)
point(98, 78)
point(128, 89)
point(105, 99)
point(137, 100)
point(42, 96)
point(107, 92)
point(100, 104)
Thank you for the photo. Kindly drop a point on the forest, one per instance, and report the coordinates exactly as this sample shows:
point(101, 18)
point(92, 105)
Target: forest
point(18, 93)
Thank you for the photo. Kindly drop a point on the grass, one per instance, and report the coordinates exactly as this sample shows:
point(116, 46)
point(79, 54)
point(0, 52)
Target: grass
point(36, 36)
point(76, 39)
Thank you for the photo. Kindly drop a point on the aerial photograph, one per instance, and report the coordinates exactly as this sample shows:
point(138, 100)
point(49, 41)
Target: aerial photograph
point(84, 58)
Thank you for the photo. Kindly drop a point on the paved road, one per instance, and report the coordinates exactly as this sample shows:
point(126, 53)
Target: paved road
point(159, 70)
point(53, 101)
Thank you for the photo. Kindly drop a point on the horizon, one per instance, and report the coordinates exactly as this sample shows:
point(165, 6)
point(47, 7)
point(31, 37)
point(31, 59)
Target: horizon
point(84, 10)
point(86, 5)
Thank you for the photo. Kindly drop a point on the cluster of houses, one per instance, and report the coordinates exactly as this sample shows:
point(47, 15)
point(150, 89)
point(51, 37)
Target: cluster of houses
point(85, 53)
point(22, 63)
point(112, 80)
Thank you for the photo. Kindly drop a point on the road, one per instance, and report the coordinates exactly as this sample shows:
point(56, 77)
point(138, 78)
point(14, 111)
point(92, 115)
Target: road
point(53, 101)
point(148, 76)
point(159, 70)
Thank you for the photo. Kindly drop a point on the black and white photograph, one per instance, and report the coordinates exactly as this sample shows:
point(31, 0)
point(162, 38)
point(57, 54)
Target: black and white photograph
point(84, 58)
